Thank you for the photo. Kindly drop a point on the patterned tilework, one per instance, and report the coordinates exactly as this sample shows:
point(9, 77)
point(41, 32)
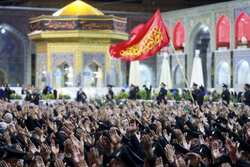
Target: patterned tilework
point(58, 58)
point(241, 55)
point(90, 57)
point(239, 10)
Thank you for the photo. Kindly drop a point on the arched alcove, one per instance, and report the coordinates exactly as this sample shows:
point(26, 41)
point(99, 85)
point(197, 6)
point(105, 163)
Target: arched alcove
point(42, 75)
point(223, 32)
point(223, 73)
point(242, 72)
point(146, 75)
point(179, 36)
point(178, 77)
point(114, 75)
point(93, 75)
point(200, 40)
point(63, 75)
point(242, 27)
point(14, 53)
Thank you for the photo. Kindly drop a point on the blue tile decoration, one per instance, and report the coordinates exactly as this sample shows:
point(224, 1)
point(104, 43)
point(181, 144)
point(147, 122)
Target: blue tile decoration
point(58, 58)
point(89, 57)
point(78, 79)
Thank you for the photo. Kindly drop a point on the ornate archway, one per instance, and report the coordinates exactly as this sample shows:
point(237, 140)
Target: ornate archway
point(15, 55)
point(223, 73)
point(93, 75)
point(200, 40)
point(242, 33)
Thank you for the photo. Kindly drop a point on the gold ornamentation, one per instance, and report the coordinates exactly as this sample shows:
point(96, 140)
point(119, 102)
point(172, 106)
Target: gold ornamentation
point(147, 43)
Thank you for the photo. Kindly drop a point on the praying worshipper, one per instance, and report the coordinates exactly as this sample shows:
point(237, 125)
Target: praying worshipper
point(161, 98)
point(96, 134)
point(132, 92)
point(81, 96)
point(246, 98)
point(225, 95)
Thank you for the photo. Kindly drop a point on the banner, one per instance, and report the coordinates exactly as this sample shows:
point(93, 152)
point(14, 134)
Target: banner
point(146, 40)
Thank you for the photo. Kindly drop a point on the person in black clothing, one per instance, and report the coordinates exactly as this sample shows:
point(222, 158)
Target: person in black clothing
point(161, 96)
point(246, 98)
point(55, 93)
point(7, 92)
point(225, 95)
point(46, 90)
point(147, 90)
point(200, 96)
point(195, 91)
point(110, 94)
point(34, 97)
point(132, 92)
point(81, 96)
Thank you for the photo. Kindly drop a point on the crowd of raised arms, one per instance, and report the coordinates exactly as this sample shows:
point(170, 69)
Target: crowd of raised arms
point(130, 133)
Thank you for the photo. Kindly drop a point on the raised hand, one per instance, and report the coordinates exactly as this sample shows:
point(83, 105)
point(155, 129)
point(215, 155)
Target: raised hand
point(59, 163)
point(159, 129)
point(232, 149)
point(167, 137)
point(105, 144)
point(170, 153)
point(52, 126)
point(194, 158)
point(180, 162)
point(45, 151)
point(159, 162)
point(33, 148)
point(95, 158)
point(39, 161)
point(115, 138)
point(216, 154)
point(7, 139)
point(78, 157)
point(54, 148)
point(5, 164)
point(147, 145)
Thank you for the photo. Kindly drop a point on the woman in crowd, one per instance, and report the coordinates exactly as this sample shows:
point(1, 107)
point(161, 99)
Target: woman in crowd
point(126, 134)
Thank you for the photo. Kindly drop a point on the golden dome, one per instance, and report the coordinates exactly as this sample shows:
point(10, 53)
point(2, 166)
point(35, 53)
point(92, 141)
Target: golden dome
point(78, 8)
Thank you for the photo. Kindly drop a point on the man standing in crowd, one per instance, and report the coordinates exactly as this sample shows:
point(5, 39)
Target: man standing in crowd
point(132, 92)
point(246, 98)
point(200, 96)
point(195, 91)
point(147, 90)
point(34, 97)
point(225, 95)
point(162, 94)
point(81, 96)
point(110, 94)
point(7, 92)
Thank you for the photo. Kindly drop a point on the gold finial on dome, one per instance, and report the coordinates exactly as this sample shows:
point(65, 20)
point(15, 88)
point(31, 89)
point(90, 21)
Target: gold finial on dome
point(78, 8)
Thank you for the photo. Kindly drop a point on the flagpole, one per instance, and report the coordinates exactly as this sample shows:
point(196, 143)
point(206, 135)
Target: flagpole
point(178, 60)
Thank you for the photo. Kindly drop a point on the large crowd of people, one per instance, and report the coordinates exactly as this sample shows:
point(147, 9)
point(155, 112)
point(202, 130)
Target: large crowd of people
point(126, 133)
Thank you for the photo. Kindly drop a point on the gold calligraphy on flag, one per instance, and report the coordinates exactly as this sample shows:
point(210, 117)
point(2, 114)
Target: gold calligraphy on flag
point(151, 39)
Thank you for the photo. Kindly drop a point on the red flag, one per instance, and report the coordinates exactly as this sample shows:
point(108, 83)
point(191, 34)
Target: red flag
point(146, 40)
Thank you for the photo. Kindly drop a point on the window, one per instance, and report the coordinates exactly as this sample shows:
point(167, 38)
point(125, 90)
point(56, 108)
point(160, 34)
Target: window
point(223, 32)
point(242, 27)
point(179, 36)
